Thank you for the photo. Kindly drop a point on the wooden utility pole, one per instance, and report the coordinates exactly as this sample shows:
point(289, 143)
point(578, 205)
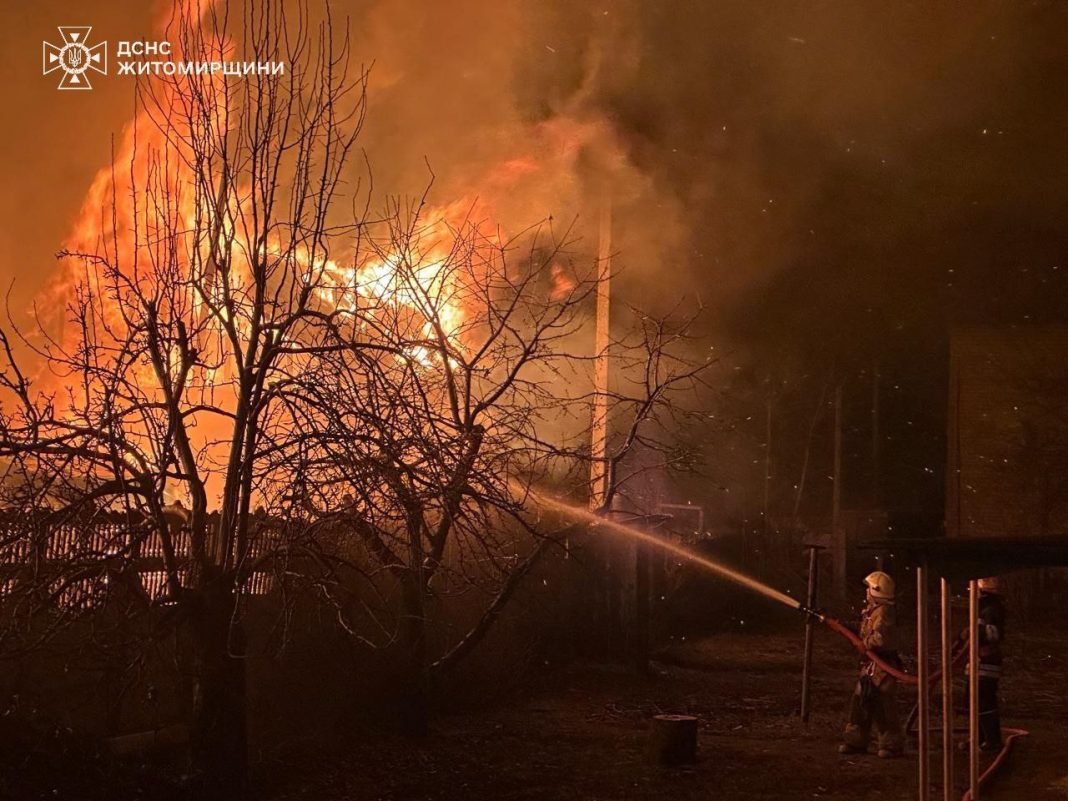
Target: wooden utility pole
point(602, 361)
point(614, 554)
point(876, 467)
point(642, 590)
point(838, 538)
point(767, 477)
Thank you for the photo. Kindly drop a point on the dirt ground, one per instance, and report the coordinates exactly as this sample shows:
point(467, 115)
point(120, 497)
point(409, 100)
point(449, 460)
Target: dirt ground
point(581, 735)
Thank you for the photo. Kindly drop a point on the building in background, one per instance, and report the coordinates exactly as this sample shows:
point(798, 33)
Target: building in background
point(1007, 466)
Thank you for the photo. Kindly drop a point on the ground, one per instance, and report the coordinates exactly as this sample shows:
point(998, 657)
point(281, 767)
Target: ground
point(581, 735)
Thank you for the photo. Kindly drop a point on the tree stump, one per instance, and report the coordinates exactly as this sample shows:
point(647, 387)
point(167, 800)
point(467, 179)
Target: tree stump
point(672, 740)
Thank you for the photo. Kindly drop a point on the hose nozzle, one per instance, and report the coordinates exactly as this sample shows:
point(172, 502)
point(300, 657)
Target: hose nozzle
point(816, 613)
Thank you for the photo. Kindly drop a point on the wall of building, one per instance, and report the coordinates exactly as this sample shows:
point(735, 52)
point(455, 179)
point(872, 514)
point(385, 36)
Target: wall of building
point(1008, 432)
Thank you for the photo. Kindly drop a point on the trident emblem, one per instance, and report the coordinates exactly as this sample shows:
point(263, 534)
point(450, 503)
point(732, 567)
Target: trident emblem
point(75, 57)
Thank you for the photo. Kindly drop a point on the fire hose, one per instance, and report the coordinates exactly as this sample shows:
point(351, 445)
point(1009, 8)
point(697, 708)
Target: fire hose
point(840, 628)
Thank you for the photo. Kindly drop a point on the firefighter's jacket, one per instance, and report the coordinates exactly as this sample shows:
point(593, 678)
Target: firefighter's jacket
point(991, 634)
point(877, 634)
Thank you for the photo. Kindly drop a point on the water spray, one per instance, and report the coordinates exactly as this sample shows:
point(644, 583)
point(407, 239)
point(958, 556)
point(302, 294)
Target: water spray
point(616, 527)
point(723, 571)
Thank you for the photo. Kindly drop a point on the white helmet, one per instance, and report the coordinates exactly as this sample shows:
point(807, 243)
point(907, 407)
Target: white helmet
point(880, 585)
point(991, 584)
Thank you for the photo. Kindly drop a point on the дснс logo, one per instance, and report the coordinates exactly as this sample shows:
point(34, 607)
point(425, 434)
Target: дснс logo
point(75, 57)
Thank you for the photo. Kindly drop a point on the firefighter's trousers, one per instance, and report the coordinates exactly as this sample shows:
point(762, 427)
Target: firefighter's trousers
point(989, 715)
point(873, 710)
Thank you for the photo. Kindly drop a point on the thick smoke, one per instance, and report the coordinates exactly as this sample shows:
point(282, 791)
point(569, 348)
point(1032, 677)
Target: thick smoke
point(512, 102)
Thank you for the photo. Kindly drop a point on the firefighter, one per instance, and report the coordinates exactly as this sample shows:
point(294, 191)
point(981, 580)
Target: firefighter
point(991, 625)
point(874, 704)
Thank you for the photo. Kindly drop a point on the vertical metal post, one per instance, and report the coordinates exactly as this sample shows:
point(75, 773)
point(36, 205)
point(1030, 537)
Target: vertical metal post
point(947, 694)
point(973, 689)
point(921, 676)
point(811, 601)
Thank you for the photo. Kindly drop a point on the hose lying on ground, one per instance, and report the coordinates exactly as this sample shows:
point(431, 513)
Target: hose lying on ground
point(995, 765)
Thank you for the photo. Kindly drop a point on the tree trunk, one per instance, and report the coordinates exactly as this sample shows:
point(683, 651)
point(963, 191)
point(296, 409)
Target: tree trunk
point(479, 630)
point(218, 734)
point(415, 702)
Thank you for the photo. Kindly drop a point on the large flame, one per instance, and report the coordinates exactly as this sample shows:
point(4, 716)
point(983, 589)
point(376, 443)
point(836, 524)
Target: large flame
point(149, 206)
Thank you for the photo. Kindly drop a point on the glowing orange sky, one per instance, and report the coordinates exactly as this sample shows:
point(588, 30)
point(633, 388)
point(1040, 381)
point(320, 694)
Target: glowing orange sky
point(55, 142)
point(52, 143)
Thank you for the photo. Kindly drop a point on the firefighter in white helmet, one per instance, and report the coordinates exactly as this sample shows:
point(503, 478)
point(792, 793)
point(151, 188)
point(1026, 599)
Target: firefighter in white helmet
point(873, 707)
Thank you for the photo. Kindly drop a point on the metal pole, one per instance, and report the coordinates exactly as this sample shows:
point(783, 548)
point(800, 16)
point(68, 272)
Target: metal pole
point(921, 676)
point(810, 628)
point(973, 689)
point(947, 695)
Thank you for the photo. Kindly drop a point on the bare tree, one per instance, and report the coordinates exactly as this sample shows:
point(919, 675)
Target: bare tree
point(260, 375)
point(434, 447)
point(193, 299)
